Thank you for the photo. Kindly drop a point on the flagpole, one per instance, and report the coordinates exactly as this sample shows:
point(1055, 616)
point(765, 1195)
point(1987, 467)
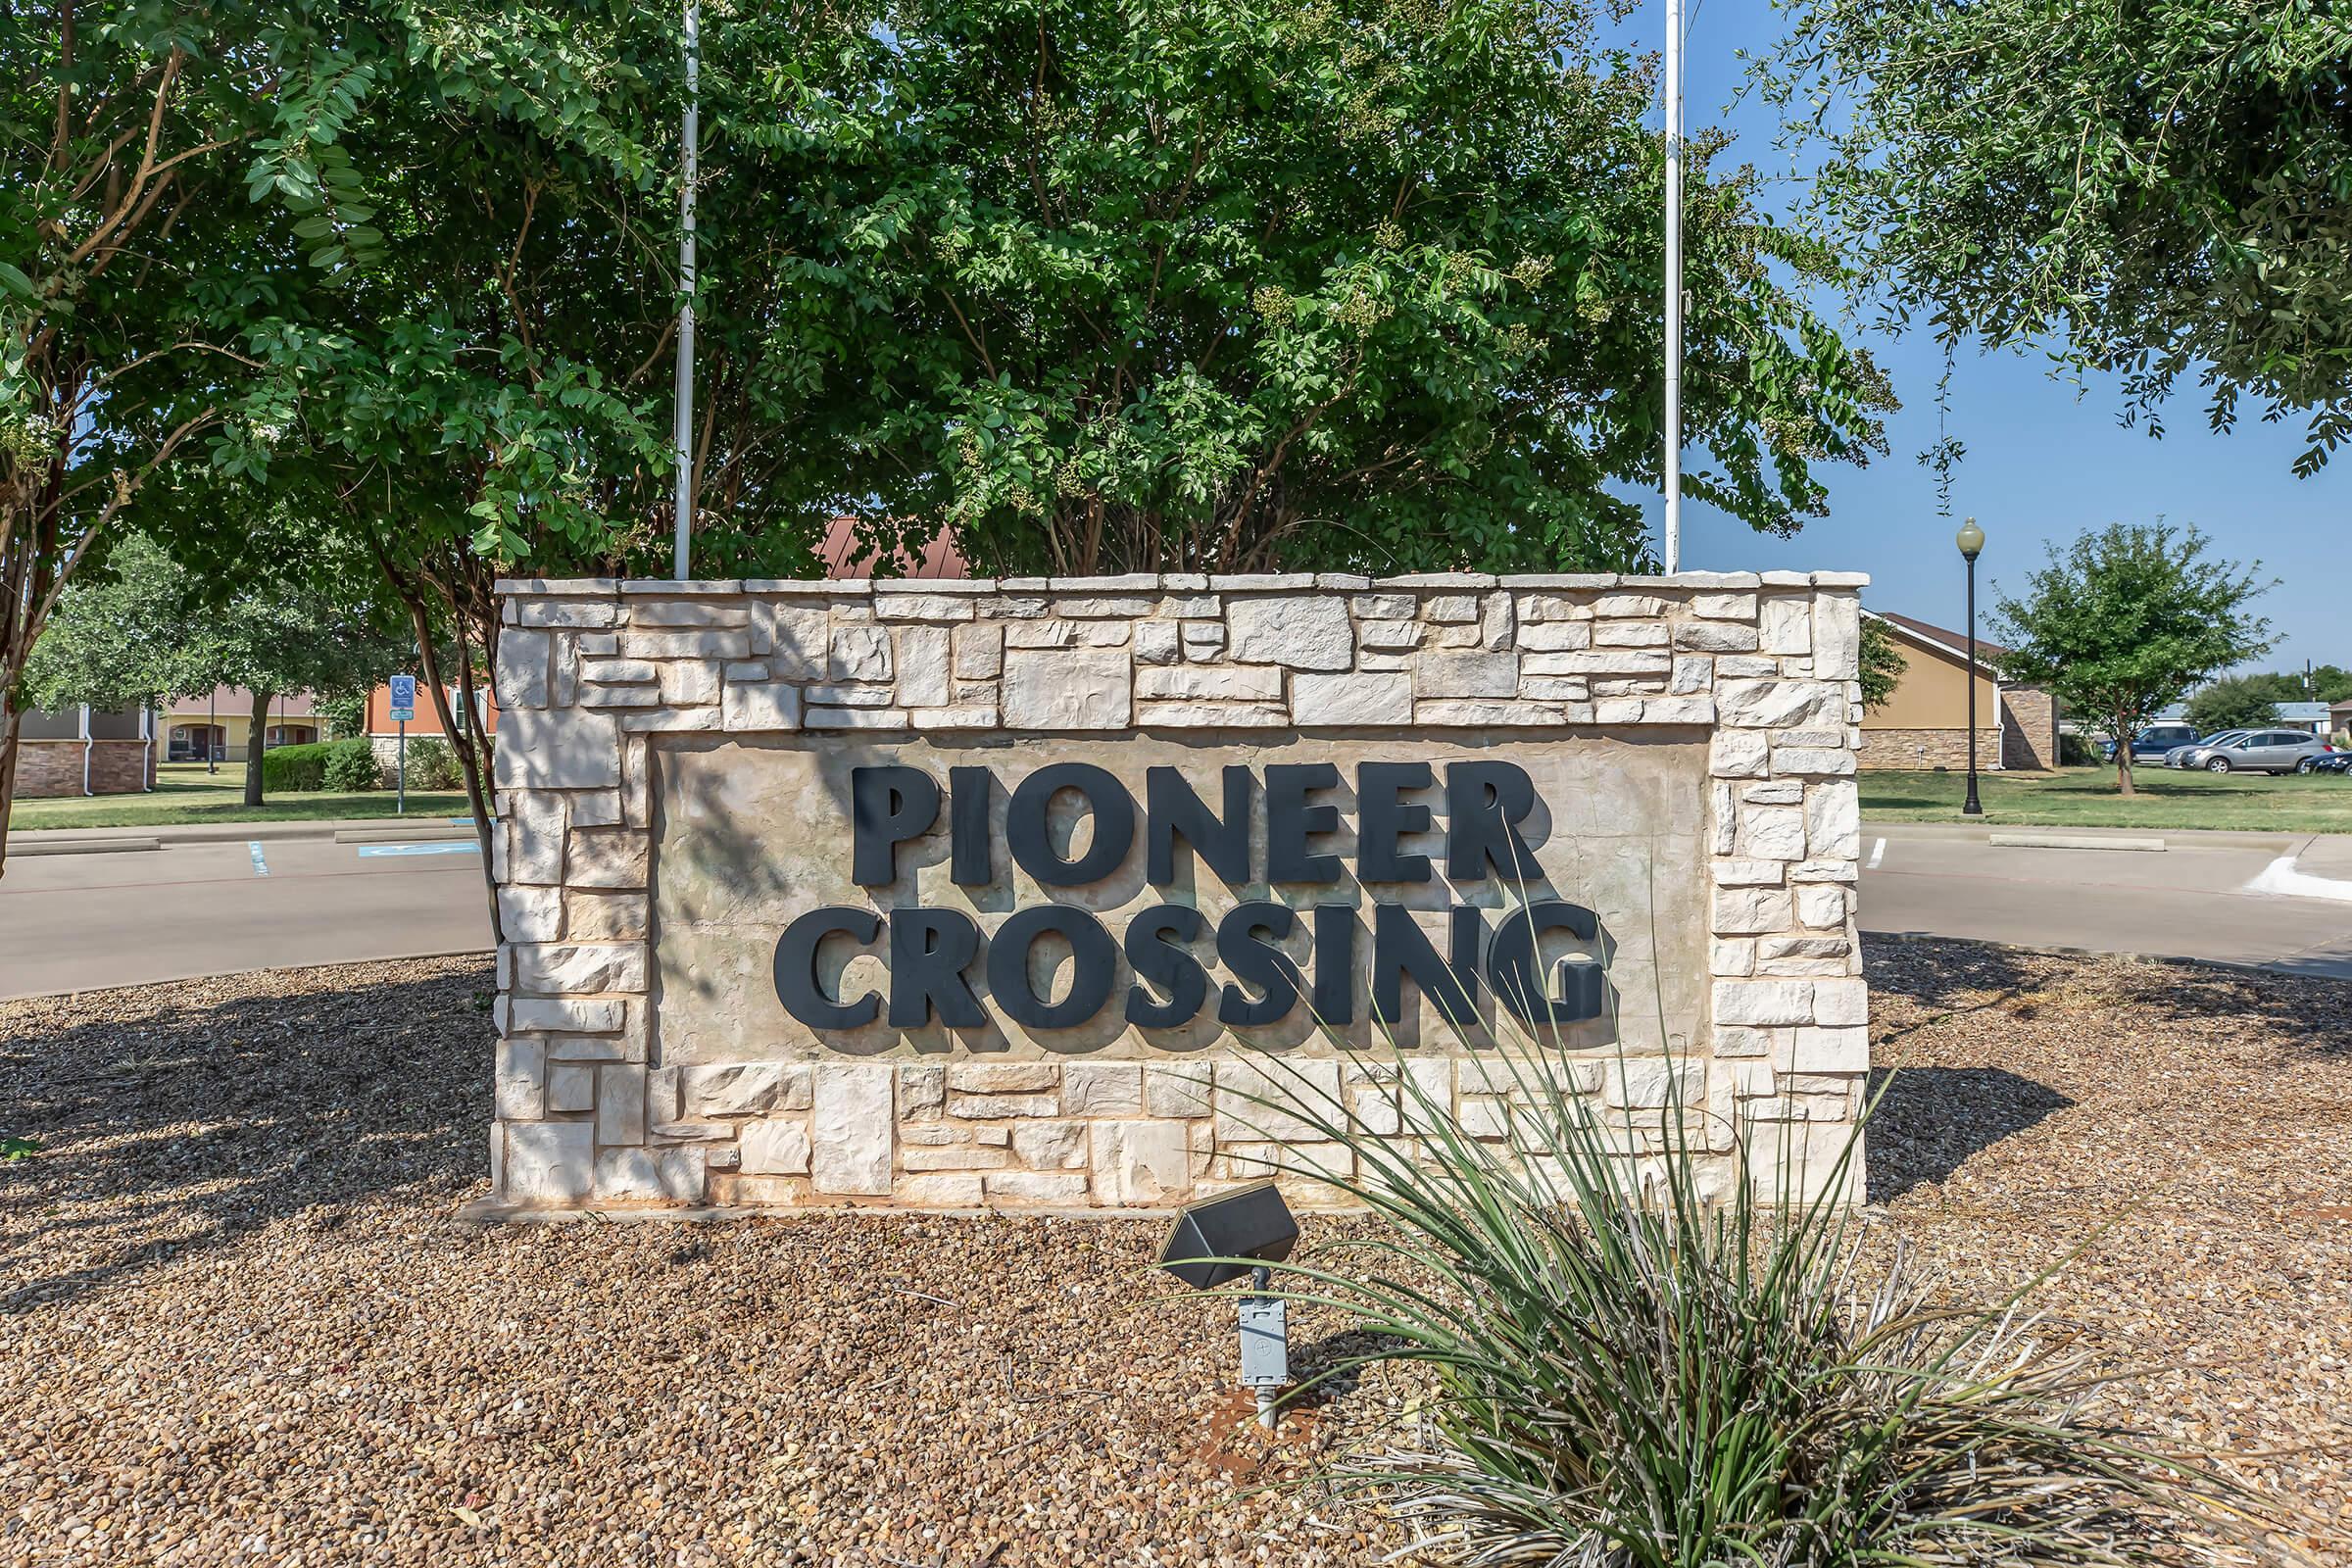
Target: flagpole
point(1674, 286)
point(682, 431)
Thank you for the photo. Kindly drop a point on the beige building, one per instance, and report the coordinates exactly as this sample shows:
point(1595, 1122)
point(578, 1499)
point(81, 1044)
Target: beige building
point(1924, 724)
point(223, 721)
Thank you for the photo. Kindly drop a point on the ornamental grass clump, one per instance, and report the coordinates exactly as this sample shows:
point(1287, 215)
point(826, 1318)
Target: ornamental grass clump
point(1637, 1362)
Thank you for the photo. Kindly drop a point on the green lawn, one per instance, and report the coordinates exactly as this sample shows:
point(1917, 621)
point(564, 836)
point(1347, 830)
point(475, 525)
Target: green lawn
point(2085, 797)
point(184, 793)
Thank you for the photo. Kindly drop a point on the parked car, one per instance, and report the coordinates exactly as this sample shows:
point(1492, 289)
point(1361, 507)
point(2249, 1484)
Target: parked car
point(2154, 742)
point(2187, 756)
point(2266, 751)
point(2338, 760)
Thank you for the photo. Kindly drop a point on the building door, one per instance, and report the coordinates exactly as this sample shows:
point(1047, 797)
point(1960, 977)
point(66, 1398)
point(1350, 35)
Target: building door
point(189, 743)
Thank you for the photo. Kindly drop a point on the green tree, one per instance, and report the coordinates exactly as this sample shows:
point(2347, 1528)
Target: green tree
point(284, 606)
point(290, 617)
point(1882, 663)
point(2238, 702)
point(1235, 284)
point(2124, 620)
point(2328, 683)
point(119, 635)
point(156, 163)
point(485, 395)
point(2158, 187)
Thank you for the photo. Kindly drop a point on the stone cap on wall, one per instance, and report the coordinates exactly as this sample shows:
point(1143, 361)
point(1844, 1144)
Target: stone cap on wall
point(1178, 583)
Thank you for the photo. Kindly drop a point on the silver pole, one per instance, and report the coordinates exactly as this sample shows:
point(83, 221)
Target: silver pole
point(1674, 286)
point(689, 134)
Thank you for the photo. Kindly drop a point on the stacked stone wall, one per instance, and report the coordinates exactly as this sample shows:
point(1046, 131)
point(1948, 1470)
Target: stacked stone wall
point(120, 767)
point(2029, 727)
point(595, 678)
point(49, 768)
point(1915, 749)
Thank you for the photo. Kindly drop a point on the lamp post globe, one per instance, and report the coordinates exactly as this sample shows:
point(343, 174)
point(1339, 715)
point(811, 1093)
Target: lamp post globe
point(1970, 540)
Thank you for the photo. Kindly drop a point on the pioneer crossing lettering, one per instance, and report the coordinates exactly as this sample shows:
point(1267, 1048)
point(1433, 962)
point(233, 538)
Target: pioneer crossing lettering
point(932, 954)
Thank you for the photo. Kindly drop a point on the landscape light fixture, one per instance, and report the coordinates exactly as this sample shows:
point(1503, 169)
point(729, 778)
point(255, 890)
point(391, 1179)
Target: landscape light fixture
point(1217, 1241)
point(1970, 540)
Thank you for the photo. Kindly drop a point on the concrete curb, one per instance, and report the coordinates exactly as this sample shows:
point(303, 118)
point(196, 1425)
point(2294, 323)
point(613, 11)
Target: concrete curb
point(2270, 971)
point(402, 835)
point(411, 829)
point(2277, 840)
point(80, 846)
point(261, 968)
point(2071, 841)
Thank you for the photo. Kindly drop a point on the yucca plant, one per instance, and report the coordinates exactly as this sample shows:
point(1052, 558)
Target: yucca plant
point(1633, 1363)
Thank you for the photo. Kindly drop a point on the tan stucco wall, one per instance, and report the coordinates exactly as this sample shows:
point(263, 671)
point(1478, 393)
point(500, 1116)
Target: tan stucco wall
point(1932, 692)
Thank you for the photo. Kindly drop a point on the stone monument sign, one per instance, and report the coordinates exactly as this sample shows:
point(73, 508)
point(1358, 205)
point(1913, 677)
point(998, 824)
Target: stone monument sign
point(963, 895)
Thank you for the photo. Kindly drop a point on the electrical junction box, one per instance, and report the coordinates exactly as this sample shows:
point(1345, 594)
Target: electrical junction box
point(1265, 1343)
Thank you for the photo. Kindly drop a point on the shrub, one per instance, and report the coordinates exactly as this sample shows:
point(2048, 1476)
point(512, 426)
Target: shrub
point(352, 766)
point(297, 769)
point(2079, 750)
point(434, 764)
point(1633, 1369)
point(346, 715)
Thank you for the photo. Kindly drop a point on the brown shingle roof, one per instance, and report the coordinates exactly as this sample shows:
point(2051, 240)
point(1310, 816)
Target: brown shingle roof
point(1955, 641)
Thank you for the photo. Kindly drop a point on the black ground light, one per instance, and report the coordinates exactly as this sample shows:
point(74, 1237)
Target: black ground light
point(1204, 1248)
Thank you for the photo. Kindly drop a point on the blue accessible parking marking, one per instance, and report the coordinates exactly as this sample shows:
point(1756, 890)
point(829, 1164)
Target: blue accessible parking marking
point(260, 868)
point(371, 851)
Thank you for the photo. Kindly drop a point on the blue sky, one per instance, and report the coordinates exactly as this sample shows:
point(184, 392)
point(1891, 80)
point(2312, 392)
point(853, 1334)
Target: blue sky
point(2045, 460)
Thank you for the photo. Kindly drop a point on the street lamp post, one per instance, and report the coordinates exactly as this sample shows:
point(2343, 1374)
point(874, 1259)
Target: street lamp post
point(1970, 540)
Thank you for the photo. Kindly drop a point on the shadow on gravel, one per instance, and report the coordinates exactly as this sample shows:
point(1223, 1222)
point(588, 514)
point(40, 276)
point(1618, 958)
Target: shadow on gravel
point(165, 1127)
point(1319, 1357)
point(1930, 1120)
point(1946, 977)
point(2299, 1013)
point(2302, 1011)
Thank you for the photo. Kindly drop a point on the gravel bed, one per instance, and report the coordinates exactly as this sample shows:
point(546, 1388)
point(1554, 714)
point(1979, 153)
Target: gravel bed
point(240, 1326)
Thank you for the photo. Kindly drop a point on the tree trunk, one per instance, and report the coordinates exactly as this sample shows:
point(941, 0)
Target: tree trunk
point(410, 585)
point(11, 721)
point(460, 735)
point(2123, 759)
point(255, 743)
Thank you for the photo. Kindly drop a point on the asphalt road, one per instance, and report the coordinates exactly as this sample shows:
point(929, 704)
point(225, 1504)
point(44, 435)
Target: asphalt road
point(85, 921)
point(77, 922)
point(2204, 896)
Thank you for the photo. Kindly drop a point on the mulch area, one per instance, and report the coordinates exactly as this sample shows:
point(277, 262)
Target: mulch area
point(240, 1326)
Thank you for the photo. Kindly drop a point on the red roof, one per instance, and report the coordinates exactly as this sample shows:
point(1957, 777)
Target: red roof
point(236, 699)
point(843, 558)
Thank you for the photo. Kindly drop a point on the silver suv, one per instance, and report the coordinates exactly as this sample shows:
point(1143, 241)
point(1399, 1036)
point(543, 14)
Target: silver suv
point(2192, 754)
point(2264, 751)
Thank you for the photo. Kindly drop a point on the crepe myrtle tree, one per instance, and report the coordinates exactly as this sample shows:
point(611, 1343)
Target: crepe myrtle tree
point(158, 165)
point(485, 394)
point(2156, 190)
point(2124, 620)
point(1240, 285)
